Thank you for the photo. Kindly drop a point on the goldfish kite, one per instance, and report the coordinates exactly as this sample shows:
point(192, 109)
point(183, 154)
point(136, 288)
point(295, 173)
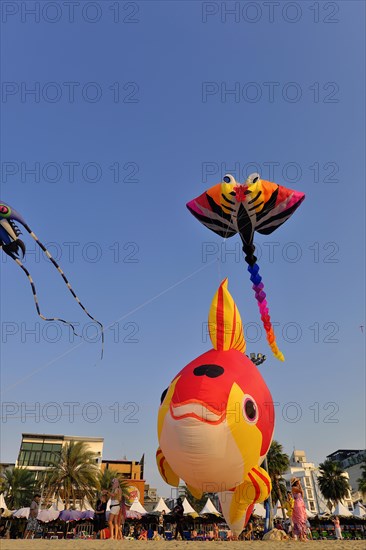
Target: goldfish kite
point(11, 244)
point(216, 420)
point(229, 208)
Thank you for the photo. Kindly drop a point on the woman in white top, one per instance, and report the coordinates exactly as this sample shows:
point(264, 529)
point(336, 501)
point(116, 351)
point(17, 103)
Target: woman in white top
point(116, 497)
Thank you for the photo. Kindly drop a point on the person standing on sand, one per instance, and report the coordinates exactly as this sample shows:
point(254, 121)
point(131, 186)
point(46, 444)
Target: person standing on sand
point(99, 514)
point(178, 512)
point(337, 528)
point(299, 517)
point(161, 530)
point(32, 523)
point(116, 496)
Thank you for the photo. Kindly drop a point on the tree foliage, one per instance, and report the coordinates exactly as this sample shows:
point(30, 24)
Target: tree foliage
point(333, 484)
point(18, 486)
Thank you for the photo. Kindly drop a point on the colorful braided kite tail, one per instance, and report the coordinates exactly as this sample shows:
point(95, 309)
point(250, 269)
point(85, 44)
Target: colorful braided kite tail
point(260, 295)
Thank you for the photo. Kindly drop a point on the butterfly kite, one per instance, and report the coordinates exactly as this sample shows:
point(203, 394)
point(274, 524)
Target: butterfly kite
point(11, 245)
point(231, 208)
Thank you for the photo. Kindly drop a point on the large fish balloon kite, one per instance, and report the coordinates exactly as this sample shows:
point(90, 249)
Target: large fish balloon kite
point(229, 208)
point(216, 420)
point(11, 245)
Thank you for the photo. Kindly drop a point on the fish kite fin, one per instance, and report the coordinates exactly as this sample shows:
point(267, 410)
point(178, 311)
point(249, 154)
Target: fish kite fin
point(166, 472)
point(255, 488)
point(197, 493)
point(224, 321)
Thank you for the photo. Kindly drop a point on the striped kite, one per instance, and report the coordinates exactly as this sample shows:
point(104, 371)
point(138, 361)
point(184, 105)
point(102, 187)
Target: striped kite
point(229, 208)
point(11, 245)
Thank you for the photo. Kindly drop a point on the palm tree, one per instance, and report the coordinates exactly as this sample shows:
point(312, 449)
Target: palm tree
point(333, 484)
point(278, 463)
point(18, 485)
point(105, 481)
point(362, 480)
point(74, 475)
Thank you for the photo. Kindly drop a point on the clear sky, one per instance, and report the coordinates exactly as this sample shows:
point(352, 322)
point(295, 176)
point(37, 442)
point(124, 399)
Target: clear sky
point(138, 107)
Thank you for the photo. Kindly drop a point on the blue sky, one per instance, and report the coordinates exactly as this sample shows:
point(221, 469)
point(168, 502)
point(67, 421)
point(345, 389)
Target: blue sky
point(135, 112)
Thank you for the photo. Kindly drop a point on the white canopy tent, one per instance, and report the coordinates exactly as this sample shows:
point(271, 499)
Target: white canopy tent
point(209, 508)
point(2, 502)
point(161, 506)
point(137, 507)
point(359, 511)
point(259, 510)
point(188, 510)
point(341, 510)
point(277, 511)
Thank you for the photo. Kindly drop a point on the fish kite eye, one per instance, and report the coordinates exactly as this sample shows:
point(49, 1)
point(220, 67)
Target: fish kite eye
point(250, 410)
point(253, 178)
point(228, 178)
point(163, 395)
point(4, 210)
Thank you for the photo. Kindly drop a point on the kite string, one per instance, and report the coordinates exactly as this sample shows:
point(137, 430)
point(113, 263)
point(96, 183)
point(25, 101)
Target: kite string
point(49, 256)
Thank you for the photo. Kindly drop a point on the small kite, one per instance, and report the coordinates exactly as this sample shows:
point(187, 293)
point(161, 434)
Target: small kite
point(229, 208)
point(216, 420)
point(11, 245)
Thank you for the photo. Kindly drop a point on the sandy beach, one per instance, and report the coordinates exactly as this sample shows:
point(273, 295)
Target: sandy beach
point(152, 545)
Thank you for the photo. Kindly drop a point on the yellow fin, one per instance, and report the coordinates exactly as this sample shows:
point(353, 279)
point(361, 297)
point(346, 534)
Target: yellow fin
point(194, 492)
point(255, 488)
point(165, 470)
point(224, 321)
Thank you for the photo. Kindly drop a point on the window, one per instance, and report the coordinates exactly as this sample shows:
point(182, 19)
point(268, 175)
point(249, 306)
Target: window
point(39, 454)
point(312, 506)
point(309, 493)
point(307, 481)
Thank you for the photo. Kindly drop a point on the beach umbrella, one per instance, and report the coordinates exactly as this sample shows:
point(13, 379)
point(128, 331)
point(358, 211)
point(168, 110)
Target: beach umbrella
point(188, 510)
point(137, 507)
point(209, 508)
point(341, 510)
point(259, 510)
point(359, 511)
point(48, 515)
point(76, 515)
point(21, 513)
point(131, 514)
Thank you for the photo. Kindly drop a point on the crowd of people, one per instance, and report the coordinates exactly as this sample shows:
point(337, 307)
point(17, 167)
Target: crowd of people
point(296, 525)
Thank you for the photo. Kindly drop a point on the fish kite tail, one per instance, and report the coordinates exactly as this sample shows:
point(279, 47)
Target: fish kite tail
point(260, 296)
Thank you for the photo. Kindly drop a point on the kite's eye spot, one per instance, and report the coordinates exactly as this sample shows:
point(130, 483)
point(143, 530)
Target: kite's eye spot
point(163, 396)
point(211, 371)
point(253, 178)
point(250, 409)
point(228, 179)
point(3, 209)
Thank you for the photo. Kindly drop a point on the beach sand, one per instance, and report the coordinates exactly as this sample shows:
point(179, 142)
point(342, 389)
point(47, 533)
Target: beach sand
point(181, 545)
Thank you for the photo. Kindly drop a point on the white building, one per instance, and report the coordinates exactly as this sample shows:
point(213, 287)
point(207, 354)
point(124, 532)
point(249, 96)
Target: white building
point(308, 473)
